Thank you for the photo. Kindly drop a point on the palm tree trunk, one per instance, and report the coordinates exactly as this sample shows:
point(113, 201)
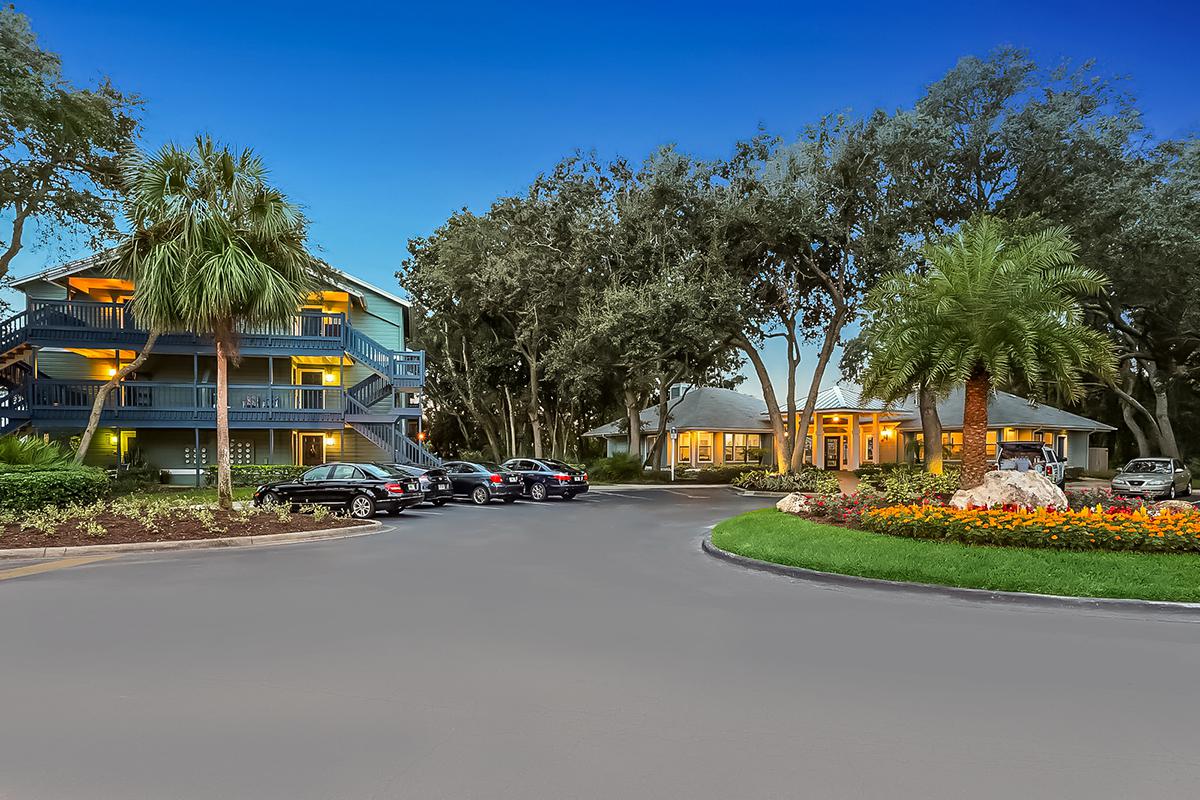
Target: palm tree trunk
point(931, 429)
point(224, 474)
point(975, 420)
point(104, 391)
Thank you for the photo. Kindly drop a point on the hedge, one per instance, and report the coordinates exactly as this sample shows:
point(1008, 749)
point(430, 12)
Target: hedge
point(808, 479)
point(1085, 529)
point(34, 488)
point(256, 474)
point(906, 483)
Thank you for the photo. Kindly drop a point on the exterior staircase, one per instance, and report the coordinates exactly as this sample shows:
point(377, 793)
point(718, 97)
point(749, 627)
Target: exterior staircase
point(389, 438)
point(14, 396)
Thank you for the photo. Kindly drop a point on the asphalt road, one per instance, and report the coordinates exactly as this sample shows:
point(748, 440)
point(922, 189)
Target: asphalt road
point(582, 650)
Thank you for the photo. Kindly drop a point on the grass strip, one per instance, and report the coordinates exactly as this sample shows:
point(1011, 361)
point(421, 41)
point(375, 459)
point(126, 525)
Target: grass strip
point(770, 535)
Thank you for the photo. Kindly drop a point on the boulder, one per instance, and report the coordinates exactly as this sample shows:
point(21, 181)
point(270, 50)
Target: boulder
point(1173, 507)
point(794, 503)
point(1008, 487)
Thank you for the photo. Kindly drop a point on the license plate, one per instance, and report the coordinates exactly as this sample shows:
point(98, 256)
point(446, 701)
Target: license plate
point(513, 480)
point(443, 486)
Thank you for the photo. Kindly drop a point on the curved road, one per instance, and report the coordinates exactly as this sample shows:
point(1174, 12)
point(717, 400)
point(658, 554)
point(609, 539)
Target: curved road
point(584, 650)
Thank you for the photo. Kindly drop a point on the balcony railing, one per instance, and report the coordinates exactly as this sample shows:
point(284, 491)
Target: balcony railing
point(73, 323)
point(150, 401)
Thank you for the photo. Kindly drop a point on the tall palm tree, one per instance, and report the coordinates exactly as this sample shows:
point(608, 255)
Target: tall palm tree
point(992, 308)
point(213, 248)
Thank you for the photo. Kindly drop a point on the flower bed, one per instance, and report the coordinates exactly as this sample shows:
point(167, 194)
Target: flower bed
point(139, 520)
point(1117, 528)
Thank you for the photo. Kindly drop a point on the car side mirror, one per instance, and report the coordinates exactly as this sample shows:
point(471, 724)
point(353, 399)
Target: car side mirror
point(1178, 469)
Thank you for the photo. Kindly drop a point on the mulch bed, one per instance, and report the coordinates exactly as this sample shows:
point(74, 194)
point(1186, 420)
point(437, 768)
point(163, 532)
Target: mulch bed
point(180, 526)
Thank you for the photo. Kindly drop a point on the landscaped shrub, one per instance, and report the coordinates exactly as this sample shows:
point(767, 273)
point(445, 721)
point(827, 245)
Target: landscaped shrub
point(29, 488)
point(907, 483)
point(719, 474)
point(256, 474)
point(806, 480)
point(1085, 529)
point(615, 469)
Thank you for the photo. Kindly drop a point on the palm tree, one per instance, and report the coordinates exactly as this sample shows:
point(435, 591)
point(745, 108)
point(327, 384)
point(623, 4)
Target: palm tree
point(213, 248)
point(991, 308)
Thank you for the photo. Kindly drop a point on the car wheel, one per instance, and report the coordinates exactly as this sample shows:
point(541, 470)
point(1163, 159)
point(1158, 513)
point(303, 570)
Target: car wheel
point(480, 496)
point(362, 507)
point(1187, 490)
point(568, 495)
point(538, 492)
point(1171, 492)
point(269, 500)
point(439, 503)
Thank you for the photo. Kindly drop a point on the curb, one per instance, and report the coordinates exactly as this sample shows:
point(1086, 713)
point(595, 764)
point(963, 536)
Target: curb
point(955, 592)
point(325, 534)
point(635, 487)
point(755, 493)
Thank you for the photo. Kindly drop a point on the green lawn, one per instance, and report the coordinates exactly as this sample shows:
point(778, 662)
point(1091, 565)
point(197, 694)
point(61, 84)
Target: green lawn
point(770, 535)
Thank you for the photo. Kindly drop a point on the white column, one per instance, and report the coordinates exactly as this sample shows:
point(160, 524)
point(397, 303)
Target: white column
point(855, 442)
point(818, 444)
point(878, 434)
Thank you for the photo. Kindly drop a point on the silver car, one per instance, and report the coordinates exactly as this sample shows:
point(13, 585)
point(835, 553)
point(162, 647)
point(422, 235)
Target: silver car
point(1153, 477)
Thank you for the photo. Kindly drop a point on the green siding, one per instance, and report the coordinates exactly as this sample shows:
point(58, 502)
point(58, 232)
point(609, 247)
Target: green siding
point(44, 290)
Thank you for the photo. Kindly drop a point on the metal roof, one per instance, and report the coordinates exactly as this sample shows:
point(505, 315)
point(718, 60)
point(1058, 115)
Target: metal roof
point(702, 408)
point(1004, 411)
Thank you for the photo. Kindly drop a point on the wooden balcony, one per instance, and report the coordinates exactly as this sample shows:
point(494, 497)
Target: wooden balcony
point(83, 324)
point(150, 404)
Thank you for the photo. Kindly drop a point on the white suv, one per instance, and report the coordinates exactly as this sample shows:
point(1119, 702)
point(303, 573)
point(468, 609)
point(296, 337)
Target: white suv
point(1035, 456)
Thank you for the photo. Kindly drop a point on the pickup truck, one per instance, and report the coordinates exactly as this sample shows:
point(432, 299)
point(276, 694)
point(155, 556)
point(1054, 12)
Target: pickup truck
point(1035, 456)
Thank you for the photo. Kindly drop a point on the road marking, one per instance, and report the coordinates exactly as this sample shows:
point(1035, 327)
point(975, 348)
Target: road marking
point(49, 566)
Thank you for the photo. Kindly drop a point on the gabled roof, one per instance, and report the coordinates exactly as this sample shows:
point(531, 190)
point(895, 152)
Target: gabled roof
point(701, 408)
point(1004, 410)
point(98, 260)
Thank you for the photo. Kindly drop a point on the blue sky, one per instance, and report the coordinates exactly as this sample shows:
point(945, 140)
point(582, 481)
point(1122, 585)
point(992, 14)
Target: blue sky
point(383, 118)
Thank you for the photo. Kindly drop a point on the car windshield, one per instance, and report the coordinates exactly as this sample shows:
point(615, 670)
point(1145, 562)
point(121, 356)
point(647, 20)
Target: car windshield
point(1148, 465)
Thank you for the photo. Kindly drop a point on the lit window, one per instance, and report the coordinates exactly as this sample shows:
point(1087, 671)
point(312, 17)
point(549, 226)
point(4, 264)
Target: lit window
point(742, 447)
point(685, 446)
point(704, 447)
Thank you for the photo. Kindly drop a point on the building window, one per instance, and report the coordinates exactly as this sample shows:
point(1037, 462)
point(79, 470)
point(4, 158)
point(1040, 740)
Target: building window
point(685, 446)
point(870, 448)
point(952, 445)
point(808, 444)
point(704, 447)
point(742, 447)
point(1060, 446)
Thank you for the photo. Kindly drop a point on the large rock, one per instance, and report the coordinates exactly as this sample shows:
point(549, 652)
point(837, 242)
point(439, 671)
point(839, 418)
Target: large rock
point(1173, 507)
point(794, 503)
point(1008, 487)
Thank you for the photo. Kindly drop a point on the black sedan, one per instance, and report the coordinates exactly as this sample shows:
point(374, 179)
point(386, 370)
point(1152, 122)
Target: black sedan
point(483, 481)
point(360, 489)
point(545, 477)
point(435, 483)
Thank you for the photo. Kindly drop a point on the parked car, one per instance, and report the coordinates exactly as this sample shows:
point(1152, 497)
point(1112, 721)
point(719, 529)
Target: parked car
point(483, 481)
point(545, 477)
point(1153, 477)
point(1032, 456)
point(361, 489)
point(435, 482)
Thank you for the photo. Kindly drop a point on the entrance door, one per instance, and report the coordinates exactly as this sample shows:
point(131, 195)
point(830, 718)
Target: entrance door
point(833, 452)
point(314, 397)
point(312, 449)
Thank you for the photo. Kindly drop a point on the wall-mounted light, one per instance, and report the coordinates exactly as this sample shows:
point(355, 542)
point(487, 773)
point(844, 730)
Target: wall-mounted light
point(421, 436)
point(112, 439)
point(112, 372)
point(330, 376)
point(329, 440)
point(886, 433)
